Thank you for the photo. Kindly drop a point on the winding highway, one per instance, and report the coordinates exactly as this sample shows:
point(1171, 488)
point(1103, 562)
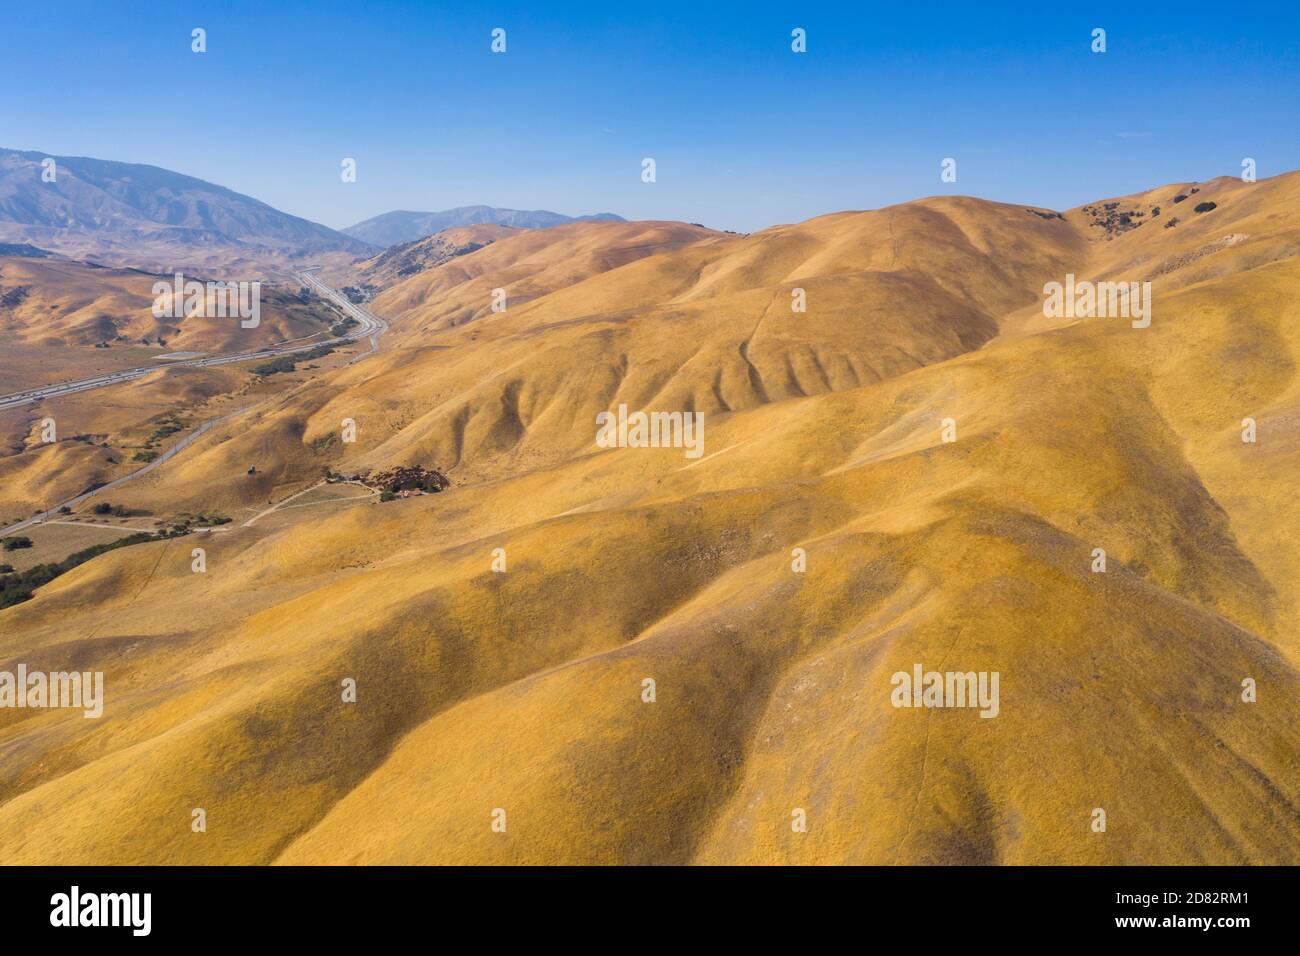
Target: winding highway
point(368, 326)
point(170, 452)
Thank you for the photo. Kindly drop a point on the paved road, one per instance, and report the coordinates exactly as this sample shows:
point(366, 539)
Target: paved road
point(368, 326)
point(170, 452)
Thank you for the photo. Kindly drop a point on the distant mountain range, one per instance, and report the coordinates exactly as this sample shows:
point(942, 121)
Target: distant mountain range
point(145, 216)
point(23, 250)
point(403, 226)
point(405, 259)
point(97, 207)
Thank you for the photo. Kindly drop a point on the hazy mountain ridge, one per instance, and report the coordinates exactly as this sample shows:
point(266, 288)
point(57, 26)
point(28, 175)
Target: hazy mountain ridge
point(103, 204)
point(399, 226)
point(24, 250)
point(406, 259)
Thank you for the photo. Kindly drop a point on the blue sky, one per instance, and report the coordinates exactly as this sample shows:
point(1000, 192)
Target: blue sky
point(744, 132)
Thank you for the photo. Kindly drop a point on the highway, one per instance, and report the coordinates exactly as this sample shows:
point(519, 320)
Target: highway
point(173, 450)
point(368, 326)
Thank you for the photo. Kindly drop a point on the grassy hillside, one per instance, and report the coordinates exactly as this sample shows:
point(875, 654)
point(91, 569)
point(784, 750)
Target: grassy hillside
point(522, 690)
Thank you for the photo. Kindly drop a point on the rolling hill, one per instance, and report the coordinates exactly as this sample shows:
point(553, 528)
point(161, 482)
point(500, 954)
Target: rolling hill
point(405, 259)
point(916, 470)
point(400, 226)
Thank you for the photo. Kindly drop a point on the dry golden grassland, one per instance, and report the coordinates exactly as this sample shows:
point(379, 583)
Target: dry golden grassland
point(521, 689)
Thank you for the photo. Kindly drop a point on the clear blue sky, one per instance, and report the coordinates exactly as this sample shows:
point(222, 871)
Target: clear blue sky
point(745, 133)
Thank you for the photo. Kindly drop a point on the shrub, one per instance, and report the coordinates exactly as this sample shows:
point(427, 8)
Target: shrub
point(103, 508)
point(18, 587)
point(19, 541)
point(1205, 206)
point(282, 364)
point(167, 428)
point(288, 363)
